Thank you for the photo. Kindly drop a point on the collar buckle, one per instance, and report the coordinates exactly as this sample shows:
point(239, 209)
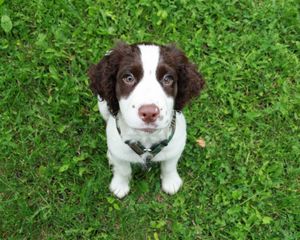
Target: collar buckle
point(147, 150)
point(151, 152)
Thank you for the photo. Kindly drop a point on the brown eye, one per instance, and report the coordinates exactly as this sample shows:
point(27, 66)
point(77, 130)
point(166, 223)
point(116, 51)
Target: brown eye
point(167, 80)
point(128, 79)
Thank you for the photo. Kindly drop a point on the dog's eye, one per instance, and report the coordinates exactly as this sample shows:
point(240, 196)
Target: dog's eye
point(167, 80)
point(128, 79)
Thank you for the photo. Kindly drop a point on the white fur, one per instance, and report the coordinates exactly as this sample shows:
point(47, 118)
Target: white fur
point(103, 108)
point(120, 155)
point(148, 91)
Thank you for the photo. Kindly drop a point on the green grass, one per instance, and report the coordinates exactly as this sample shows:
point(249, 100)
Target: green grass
point(54, 175)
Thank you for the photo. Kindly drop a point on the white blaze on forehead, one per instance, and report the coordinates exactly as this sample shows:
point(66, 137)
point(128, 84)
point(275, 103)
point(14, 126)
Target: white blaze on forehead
point(149, 58)
point(147, 91)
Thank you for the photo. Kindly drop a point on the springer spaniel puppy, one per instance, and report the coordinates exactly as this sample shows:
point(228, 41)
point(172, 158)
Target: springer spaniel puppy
point(141, 91)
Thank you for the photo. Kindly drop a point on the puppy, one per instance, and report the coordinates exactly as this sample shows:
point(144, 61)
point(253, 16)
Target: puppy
point(141, 90)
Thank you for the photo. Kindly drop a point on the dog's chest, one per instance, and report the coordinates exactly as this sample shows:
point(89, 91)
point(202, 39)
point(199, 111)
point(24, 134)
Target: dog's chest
point(120, 150)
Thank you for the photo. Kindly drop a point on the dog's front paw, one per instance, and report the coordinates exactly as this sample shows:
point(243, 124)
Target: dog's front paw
point(171, 183)
point(120, 188)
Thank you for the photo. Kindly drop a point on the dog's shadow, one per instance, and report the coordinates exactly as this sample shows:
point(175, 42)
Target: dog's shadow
point(140, 172)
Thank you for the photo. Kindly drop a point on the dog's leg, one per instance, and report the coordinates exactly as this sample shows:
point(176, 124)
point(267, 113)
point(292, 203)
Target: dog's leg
point(171, 181)
point(120, 182)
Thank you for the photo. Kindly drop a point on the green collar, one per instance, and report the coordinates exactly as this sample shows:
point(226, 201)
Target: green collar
point(140, 149)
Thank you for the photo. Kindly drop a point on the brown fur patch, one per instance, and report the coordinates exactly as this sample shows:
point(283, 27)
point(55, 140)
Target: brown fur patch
point(106, 76)
point(189, 80)
point(103, 76)
point(162, 70)
point(133, 67)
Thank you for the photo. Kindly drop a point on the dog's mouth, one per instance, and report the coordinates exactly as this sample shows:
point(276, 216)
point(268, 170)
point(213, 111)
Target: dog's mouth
point(151, 127)
point(147, 130)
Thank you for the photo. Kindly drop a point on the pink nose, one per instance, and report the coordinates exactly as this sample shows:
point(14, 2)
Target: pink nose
point(149, 113)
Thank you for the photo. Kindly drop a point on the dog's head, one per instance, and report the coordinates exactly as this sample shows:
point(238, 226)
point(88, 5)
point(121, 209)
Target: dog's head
point(145, 83)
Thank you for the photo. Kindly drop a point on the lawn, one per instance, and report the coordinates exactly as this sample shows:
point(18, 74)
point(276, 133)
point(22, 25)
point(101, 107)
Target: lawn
point(54, 175)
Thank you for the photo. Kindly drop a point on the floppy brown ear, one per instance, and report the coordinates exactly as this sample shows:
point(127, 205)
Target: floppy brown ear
point(190, 82)
point(103, 80)
point(103, 77)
